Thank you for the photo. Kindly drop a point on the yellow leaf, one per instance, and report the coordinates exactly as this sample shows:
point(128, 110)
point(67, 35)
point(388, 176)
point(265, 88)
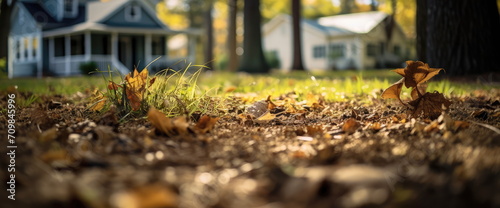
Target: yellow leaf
point(136, 85)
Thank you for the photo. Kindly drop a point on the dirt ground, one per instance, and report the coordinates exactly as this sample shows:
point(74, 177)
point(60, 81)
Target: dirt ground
point(364, 153)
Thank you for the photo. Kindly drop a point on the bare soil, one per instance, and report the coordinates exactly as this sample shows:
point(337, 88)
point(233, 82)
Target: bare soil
point(67, 156)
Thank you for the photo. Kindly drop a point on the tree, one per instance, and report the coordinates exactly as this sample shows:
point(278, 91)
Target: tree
point(374, 5)
point(459, 35)
point(297, 42)
point(209, 36)
point(6, 7)
point(231, 36)
point(253, 57)
point(347, 6)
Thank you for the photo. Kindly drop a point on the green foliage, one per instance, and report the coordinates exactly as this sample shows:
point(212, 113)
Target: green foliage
point(88, 67)
point(272, 60)
point(3, 67)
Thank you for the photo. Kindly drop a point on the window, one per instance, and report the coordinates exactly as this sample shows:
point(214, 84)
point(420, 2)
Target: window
point(397, 50)
point(337, 51)
point(319, 52)
point(70, 8)
point(133, 13)
point(101, 44)
point(59, 46)
point(17, 49)
point(77, 45)
point(25, 47)
point(158, 45)
point(371, 50)
point(35, 47)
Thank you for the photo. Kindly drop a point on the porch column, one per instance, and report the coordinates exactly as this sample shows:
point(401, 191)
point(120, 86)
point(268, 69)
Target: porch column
point(114, 47)
point(147, 48)
point(30, 48)
point(67, 54)
point(88, 46)
point(21, 49)
point(39, 64)
point(11, 56)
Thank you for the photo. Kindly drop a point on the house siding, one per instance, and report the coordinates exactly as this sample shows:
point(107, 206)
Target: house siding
point(145, 21)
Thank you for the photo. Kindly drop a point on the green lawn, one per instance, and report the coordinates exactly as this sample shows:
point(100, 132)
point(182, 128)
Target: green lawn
point(333, 85)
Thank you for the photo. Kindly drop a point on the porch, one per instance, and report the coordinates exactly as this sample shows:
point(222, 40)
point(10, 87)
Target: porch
point(120, 52)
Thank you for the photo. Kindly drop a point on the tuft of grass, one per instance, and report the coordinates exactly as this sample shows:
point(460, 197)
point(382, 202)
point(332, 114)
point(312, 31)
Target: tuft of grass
point(178, 93)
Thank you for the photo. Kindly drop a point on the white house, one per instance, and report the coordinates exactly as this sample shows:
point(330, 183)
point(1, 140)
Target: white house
point(55, 37)
point(350, 41)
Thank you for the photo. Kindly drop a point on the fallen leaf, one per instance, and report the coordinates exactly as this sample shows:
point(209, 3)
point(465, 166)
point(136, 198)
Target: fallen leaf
point(148, 196)
point(160, 121)
point(350, 126)
point(266, 117)
point(136, 86)
point(113, 86)
point(417, 72)
point(430, 105)
point(205, 124)
point(394, 91)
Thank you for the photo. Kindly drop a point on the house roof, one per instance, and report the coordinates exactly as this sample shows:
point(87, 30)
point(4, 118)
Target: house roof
point(338, 25)
point(47, 21)
point(93, 16)
point(356, 22)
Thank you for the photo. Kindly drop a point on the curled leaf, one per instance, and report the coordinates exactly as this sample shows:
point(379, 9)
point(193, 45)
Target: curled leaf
point(394, 90)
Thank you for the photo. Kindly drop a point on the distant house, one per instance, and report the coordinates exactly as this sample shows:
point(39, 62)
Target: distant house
point(54, 37)
point(350, 41)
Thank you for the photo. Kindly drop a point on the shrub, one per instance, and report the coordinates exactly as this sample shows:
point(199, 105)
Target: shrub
point(3, 67)
point(272, 60)
point(88, 67)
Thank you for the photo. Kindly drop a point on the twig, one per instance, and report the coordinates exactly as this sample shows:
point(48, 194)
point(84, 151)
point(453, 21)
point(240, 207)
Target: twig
point(490, 127)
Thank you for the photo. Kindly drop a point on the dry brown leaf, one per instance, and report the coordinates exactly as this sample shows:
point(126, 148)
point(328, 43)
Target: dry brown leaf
point(160, 121)
point(180, 125)
point(350, 126)
point(314, 130)
point(136, 86)
point(430, 105)
point(230, 89)
point(417, 72)
point(266, 117)
point(148, 196)
point(113, 86)
point(97, 101)
point(394, 90)
point(205, 124)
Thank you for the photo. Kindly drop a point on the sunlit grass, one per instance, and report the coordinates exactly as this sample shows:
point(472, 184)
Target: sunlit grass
point(194, 91)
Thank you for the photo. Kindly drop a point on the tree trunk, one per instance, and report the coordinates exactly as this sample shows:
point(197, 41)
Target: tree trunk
point(253, 57)
point(5, 18)
point(346, 6)
point(461, 36)
point(422, 30)
point(231, 36)
point(209, 38)
point(374, 5)
point(297, 39)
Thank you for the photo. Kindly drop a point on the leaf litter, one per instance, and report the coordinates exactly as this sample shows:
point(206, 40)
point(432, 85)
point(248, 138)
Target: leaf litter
point(278, 152)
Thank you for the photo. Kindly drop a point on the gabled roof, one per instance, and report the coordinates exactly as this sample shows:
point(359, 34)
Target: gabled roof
point(46, 20)
point(356, 22)
point(338, 25)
